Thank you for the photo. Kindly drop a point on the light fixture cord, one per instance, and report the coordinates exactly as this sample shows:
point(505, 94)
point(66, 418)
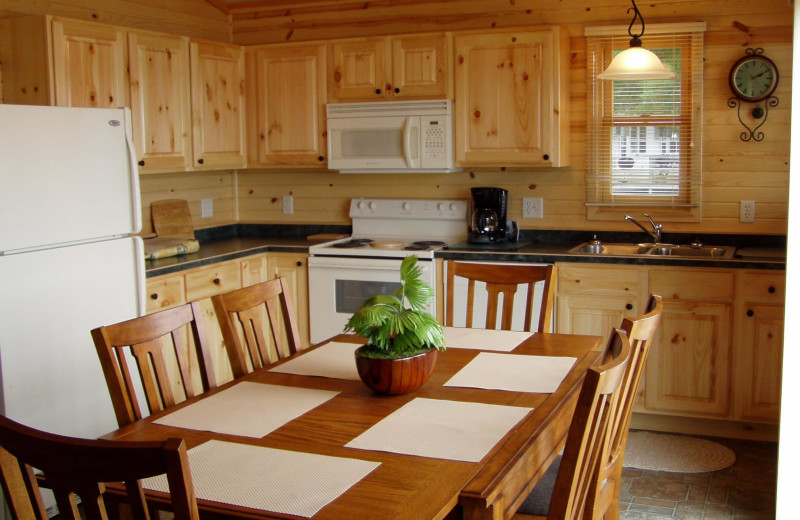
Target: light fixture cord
point(635, 41)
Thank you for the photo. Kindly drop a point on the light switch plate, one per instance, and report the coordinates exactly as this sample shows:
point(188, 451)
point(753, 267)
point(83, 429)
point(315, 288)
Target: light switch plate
point(288, 205)
point(207, 208)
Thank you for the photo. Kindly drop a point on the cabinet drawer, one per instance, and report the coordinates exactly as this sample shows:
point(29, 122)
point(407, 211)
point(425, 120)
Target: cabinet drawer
point(688, 284)
point(163, 293)
point(599, 280)
point(212, 280)
point(766, 288)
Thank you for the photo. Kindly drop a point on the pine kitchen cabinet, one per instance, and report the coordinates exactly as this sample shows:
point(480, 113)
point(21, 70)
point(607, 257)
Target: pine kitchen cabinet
point(218, 105)
point(395, 67)
point(759, 345)
point(286, 96)
point(718, 351)
point(512, 97)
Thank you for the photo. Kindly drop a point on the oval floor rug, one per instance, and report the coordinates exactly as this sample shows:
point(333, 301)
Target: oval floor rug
point(675, 453)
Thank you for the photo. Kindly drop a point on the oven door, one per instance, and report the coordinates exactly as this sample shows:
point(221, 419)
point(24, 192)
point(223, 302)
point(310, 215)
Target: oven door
point(337, 287)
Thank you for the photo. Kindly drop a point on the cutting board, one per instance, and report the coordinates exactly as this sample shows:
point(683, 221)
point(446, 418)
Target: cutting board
point(172, 218)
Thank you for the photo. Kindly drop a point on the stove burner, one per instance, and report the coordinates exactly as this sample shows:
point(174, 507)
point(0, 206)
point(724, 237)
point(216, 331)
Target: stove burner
point(416, 247)
point(429, 243)
point(361, 241)
point(349, 245)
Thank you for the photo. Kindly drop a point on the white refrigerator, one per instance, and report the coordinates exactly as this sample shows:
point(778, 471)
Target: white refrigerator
point(69, 204)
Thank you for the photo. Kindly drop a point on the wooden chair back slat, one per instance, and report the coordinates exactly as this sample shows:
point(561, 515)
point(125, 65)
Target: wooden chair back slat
point(81, 467)
point(502, 280)
point(249, 316)
point(149, 338)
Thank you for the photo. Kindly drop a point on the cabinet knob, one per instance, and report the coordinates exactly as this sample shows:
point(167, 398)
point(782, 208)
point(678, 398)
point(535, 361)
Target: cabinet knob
point(750, 313)
point(378, 91)
point(546, 157)
point(629, 306)
point(299, 263)
point(154, 296)
point(771, 290)
point(141, 163)
point(216, 281)
point(321, 158)
point(396, 90)
point(199, 161)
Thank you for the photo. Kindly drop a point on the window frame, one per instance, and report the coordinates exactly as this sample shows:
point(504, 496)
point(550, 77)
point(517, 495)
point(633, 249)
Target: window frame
point(601, 201)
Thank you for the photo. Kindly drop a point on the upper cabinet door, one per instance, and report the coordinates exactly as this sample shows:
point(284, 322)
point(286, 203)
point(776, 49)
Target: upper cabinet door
point(287, 96)
point(374, 69)
point(218, 105)
point(89, 65)
point(159, 69)
point(421, 66)
point(358, 69)
point(511, 98)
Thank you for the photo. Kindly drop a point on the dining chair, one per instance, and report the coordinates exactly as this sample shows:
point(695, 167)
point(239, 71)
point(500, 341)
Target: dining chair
point(80, 467)
point(157, 342)
point(641, 330)
point(502, 279)
point(564, 491)
point(252, 316)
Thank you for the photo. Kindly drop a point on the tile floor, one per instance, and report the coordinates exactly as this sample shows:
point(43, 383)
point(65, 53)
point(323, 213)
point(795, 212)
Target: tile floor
point(745, 490)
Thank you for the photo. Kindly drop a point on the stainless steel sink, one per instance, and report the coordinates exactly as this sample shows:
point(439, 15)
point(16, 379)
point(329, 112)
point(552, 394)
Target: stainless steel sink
point(672, 250)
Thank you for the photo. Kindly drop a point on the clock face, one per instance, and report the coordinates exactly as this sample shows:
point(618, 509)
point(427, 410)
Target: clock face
point(753, 78)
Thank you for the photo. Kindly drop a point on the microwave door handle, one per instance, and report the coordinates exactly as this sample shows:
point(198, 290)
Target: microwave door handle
point(407, 142)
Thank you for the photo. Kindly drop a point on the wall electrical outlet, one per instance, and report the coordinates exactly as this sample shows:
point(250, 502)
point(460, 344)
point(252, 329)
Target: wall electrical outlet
point(747, 211)
point(207, 208)
point(288, 205)
point(532, 207)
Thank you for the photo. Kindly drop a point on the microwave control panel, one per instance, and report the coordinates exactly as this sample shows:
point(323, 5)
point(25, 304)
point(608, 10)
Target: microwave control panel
point(434, 138)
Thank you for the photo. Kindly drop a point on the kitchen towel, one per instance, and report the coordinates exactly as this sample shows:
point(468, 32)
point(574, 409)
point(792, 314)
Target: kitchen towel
point(247, 409)
point(437, 428)
point(517, 373)
point(288, 482)
point(484, 339)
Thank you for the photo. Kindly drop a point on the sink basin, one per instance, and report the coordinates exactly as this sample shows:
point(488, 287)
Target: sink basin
point(671, 250)
point(694, 252)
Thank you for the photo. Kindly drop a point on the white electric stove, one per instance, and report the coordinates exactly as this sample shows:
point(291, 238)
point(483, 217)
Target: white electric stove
point(343, 273)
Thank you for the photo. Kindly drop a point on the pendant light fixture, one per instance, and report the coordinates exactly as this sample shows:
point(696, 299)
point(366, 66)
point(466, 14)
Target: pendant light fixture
point(636, 62)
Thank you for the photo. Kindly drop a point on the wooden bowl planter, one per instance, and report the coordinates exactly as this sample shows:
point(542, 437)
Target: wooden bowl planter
point(396, 376)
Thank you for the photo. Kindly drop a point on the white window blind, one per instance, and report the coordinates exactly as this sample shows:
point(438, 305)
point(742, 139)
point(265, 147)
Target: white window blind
point(644, 137)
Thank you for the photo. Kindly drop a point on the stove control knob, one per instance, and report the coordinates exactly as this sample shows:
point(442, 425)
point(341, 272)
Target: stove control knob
point(372, 205)
point(406, 206)
point(361, 205)
point(441, 206)
point(453, 207)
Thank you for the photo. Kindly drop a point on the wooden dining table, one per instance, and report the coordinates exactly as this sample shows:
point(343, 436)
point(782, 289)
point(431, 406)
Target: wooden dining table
point(409, 486)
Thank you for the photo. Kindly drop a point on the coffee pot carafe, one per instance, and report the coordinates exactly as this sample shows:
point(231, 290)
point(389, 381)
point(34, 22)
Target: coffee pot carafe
point(488, 221)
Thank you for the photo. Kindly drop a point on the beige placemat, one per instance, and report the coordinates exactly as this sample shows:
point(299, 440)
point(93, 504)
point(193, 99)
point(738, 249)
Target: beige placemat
point(334, 359)
point(287, 482)
point(441, 429)
point(247, 409)
point(517, 373)
point(484, 339)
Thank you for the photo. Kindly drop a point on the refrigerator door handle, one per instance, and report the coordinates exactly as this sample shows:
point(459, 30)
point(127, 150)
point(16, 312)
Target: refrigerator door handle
point(141, 276)
point(134, 168)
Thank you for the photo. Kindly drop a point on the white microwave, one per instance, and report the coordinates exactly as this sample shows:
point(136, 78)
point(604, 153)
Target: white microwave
point(391, 137)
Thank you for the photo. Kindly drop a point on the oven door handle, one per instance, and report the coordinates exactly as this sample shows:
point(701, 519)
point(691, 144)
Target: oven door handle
point(343, 265)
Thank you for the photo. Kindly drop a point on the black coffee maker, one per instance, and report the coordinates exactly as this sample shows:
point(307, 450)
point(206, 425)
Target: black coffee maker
point(488, 220)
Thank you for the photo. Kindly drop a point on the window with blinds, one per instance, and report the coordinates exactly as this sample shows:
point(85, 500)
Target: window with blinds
point(644, 137)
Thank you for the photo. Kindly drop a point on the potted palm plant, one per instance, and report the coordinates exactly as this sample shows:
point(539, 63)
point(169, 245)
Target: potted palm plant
point(402, 342)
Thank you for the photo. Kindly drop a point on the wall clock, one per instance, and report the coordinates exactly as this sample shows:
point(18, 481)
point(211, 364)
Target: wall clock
point(753, 79)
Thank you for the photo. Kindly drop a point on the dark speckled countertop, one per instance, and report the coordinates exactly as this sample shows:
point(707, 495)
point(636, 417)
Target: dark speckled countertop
point(240, 240)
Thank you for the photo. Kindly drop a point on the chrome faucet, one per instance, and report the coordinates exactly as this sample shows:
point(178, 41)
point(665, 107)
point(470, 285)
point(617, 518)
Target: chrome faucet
point(655, 234)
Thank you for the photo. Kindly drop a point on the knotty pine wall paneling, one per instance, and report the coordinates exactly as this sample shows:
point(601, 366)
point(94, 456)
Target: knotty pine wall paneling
point(733, 170)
